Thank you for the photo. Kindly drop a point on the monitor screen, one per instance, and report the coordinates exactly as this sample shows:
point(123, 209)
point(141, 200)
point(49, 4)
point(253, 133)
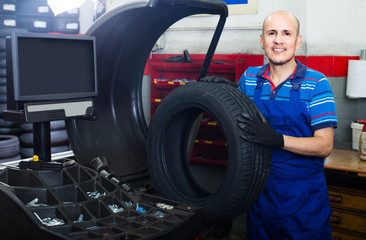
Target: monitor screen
point(51, 67)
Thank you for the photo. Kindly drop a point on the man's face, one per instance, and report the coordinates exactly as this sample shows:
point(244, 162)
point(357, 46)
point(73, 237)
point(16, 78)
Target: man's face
point(280, 39)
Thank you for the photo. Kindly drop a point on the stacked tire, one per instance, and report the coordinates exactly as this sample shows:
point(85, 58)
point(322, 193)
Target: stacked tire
point(9, 142)
point(8, 17)
point(6, 127)
point(59, 138)
point(9, 148)
point(29, 16)
point(8, 23)
point(35, 15)
point(67, 22)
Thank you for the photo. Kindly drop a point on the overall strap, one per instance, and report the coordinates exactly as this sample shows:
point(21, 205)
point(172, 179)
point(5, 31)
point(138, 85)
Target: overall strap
point(295, 91)
point(258, 90)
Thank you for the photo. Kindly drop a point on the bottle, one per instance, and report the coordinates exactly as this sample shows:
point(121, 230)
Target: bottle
point(362, 145)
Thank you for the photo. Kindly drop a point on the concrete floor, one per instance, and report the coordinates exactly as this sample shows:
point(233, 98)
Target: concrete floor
point(238, 231)
point(210, 178)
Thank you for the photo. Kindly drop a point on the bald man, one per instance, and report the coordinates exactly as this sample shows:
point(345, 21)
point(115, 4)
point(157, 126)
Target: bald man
point(299, 106)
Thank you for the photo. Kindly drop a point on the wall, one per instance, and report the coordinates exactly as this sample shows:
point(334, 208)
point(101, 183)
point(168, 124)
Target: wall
point(87, 14)
point(339, 30)
point(330, 28)
point(335, 27)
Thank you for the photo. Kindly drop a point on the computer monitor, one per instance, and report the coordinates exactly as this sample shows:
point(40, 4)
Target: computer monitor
point(50, 68)
point(49, 77)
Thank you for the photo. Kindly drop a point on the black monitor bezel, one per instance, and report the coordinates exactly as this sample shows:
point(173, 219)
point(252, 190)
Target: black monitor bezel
point(13, 81)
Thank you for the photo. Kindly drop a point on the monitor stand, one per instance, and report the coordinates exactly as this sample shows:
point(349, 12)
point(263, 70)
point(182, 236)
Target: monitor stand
point(42, 141)
point(41, 150)
point(40, 114)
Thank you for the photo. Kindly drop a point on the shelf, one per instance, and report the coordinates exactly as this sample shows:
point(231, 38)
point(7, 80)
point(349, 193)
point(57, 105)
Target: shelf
point(208, 123)
point(156, 100)
point(192, 67)
point(168, 84)
point(210, 147)
point(207, 161)
point(211, 142)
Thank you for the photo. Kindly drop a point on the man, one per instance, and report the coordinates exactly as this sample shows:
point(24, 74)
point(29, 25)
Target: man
point(299, 106)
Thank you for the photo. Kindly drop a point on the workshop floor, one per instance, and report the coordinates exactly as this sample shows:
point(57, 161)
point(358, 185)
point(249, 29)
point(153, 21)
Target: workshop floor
point(204, 177)
point(238, 231)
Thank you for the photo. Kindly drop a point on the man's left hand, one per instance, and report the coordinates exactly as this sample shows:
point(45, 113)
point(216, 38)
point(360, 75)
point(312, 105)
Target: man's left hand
point(259, 132)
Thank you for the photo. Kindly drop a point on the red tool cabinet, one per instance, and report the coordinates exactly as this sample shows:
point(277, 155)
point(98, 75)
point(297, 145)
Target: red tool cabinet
point(210, 145)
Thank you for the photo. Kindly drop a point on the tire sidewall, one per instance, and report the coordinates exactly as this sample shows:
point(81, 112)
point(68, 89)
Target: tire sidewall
point(172, 105)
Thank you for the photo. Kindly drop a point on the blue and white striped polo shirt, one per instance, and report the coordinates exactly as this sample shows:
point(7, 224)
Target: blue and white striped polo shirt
point(315, 92)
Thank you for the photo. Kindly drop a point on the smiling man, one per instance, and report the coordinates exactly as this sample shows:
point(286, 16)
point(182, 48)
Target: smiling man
point(280, 40)
point(299, 106)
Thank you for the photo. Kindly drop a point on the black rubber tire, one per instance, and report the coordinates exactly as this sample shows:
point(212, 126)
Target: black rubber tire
point(8, 7)
point(7, 31)
point(72, 13)
point(3, 90)
point(3, 62)
point(10, 130)
point(58, 138)
point(54, 125)
point(3, 98)
point(9, 146)
point(3, 81)
point(26, 152)
point(3, 106)
point(66, 25)
point(187, 57)
point(34, 9)
point(44, 2)
point(2, 44)
point(248, 163)
point(8, 124)
point(9, 159)
point(176, 59)
point(2, 72)
point(8, 21)
point(35, 24)
point(130, 31)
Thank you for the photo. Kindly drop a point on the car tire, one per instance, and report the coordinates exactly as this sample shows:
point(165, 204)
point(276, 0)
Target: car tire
point(54, 125)
point(7, 7)
point(58, 138)
point(10, 130)
point(9, 146)
point(66, 25)
point(9, 159)
point(248, 164)
point(38, 24)
point(72, 13)
point(8, 21)
point(8, 124)
point(27, 152)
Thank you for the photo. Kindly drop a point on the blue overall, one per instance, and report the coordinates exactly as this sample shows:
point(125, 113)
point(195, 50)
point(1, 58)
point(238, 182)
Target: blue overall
point(294, 204)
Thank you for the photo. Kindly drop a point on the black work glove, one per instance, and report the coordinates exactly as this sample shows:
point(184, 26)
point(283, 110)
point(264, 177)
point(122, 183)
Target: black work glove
point(259, 131)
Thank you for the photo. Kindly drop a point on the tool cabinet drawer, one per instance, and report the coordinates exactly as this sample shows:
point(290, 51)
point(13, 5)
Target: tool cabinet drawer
point(347, 198)
point(338, 235)
point(351, 221)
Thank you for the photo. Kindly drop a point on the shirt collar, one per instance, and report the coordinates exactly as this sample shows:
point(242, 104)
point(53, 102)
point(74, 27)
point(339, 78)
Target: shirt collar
point(298, 73)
